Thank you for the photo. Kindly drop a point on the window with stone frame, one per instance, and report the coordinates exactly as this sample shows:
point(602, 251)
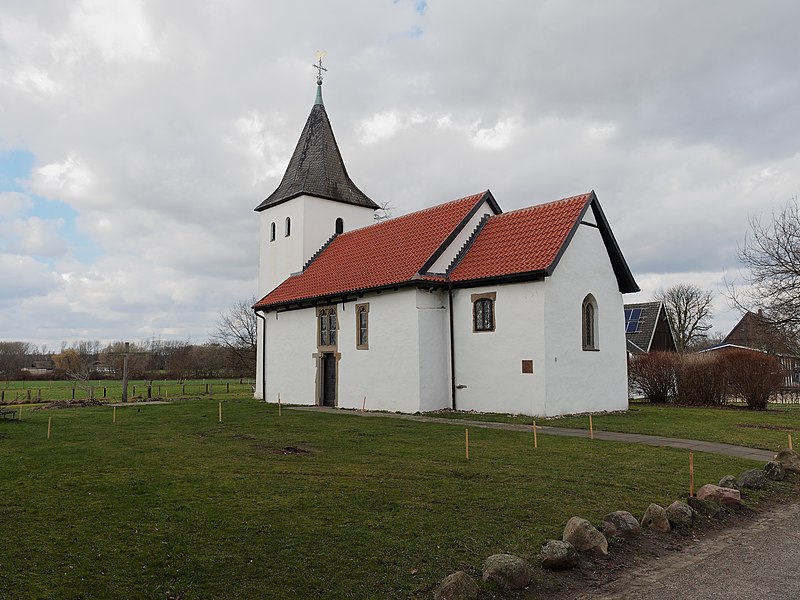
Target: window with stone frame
point(362, 326)
point(327, 327)
point(483, 311)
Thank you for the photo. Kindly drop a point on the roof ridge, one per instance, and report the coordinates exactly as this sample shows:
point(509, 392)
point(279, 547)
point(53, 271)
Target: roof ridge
point(414, 214)
point(543, 205)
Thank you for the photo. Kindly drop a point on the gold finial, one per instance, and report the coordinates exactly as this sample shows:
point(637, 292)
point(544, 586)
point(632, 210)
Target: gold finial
point(320, 55)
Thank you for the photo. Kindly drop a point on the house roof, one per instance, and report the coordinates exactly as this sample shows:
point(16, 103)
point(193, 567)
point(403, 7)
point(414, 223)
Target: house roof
point(523, 244)
point(387, 253)
point(640, 336)
point(316, 167)
point(522, 241)
point(755, 331)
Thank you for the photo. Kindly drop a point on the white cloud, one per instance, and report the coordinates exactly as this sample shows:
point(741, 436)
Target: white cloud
point(380, 126)
point(163, 124)
point(497, 137)
point(68, 179)
point(13, 203)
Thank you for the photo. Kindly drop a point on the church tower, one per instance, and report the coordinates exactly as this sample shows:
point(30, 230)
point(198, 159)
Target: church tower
point(315, 200)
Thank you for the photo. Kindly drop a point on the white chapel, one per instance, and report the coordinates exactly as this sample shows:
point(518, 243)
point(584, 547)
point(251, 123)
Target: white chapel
point(457, 306)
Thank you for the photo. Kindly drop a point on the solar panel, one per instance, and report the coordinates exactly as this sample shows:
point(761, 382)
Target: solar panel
point(632, 317)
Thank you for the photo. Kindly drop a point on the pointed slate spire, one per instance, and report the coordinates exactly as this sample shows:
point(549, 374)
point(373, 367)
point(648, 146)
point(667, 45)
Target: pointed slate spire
point(316, 167)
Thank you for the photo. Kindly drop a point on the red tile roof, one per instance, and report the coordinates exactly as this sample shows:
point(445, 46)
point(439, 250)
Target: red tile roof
point(522, 241)
point(380, 255)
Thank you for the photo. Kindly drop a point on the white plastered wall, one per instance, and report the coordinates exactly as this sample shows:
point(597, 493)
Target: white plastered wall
point(488, 364)
point(291, 367)
point(313, 222)
point(580, 380)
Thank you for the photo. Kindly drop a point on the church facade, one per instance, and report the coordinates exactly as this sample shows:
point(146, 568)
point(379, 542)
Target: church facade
point(459, 306)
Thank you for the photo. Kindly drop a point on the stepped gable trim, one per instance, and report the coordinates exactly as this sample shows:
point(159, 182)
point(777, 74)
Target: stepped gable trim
point(438, 221)
point(467, 245)
point(486, 197)
point(318, 252)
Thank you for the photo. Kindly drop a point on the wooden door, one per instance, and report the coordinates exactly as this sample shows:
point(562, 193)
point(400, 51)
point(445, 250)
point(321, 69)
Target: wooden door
point(328, 380)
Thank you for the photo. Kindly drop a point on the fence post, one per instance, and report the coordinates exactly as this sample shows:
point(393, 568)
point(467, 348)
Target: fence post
point(104, 392)
point(149, 391)
point(227, 387)
point(40, 394)
point(73, 392)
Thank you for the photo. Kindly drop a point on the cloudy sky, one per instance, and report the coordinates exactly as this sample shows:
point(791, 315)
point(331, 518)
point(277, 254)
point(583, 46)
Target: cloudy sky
point(136, 137)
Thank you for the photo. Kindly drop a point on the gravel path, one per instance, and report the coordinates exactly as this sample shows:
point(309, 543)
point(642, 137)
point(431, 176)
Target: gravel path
point(757, 561)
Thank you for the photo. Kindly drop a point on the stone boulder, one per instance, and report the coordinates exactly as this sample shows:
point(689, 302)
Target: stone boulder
point(774, 470)
point(655, 517)
point(723, 495)
point(457, 586)
point(680, 515)
point(585, 537)
point(789, 459)
point(707, 508)
point(507, 570)
point(754, 479)
point(729, 481)
point(558, 555)
point(622, 524)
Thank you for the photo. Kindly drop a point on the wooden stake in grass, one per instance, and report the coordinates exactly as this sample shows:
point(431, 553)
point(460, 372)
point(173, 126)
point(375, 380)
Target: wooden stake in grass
point(220, 412)
point(691, 474)
point(114, 415)
point(466, 442)
point(535, 441)
point(591, 428)
point(49, 422)
point(790, 441)
point(279, 404)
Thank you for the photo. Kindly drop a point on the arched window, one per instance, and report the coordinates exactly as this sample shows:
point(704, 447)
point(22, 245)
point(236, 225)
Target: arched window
point(339, 225)
point(483, 311)
point(589, 323)
point(272, 232)
point(288, 230)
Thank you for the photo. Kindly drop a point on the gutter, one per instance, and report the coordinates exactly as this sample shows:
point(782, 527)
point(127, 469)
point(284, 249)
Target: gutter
point(261, 316)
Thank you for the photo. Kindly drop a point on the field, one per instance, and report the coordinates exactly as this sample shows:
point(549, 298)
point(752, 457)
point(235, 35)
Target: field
point(170, 503)
point(111, 389)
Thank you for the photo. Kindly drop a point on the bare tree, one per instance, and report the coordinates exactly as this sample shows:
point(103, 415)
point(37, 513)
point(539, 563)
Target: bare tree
point(12, 358)
point(689, 310)
point(771, 256)
point(385, 211)
point(237, 331)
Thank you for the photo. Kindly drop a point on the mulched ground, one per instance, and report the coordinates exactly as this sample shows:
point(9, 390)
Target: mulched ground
point(593, 572)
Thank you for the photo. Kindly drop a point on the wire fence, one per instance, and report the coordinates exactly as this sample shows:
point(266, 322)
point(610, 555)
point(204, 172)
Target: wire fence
point(14, 392)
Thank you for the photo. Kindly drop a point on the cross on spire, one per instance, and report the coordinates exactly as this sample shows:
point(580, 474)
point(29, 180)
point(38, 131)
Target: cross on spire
point(320, 55)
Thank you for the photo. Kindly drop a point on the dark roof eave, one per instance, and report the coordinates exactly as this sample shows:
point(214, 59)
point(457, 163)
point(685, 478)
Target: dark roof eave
point(314, 300)
point(270, 203)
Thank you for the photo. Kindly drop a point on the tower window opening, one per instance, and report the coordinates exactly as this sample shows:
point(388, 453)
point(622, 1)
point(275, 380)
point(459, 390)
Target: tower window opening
point(339, 225)
point(288, 228)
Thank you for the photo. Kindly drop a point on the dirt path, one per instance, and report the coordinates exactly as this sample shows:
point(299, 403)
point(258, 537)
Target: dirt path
point(754, 559)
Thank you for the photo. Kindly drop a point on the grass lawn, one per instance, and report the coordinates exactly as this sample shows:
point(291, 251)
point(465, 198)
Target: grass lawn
point(167, 502)
point(730, 425)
